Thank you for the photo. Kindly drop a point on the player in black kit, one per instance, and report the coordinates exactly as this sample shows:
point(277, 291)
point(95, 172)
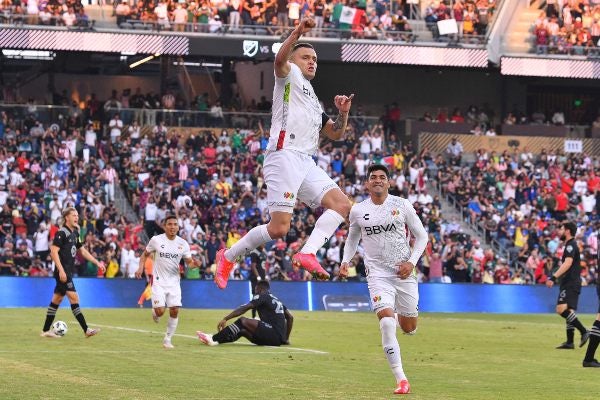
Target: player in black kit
point(570, 286)
point(64, 248)
point(589, 360)
point(273, 329)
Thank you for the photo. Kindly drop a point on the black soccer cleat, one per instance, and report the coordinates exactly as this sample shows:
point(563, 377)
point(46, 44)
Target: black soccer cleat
point(591, 364)
point(566, 346)
point(584, 338)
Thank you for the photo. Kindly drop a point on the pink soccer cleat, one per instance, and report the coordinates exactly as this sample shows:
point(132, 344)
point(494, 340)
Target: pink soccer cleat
point(91, 332)
point(224, 267)
point(206, 338)
point(403, 387)
point(310, 263)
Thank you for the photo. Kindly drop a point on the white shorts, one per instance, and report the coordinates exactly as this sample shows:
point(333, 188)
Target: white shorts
point(166, 296)
point(401, 295)
point(291, 176)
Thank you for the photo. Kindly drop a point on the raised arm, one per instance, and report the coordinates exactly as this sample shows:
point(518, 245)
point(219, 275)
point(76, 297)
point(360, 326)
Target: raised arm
point(282, 66)
point(334, 130)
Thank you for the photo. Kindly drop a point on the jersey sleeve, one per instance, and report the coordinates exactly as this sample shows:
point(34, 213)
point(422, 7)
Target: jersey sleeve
point(569, 251)
point(258, 300)
point(59, 239)
point(418, 231)
point(353, 237)
point(187, 253)
point(151, 247)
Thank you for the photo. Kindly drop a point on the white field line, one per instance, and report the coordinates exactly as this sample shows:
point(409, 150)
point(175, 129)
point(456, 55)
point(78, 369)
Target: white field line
point(286, 349)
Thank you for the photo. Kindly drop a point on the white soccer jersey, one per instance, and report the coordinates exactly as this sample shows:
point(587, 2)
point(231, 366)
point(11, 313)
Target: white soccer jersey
point(296, 121)
point(167, 254)
point(384, 236)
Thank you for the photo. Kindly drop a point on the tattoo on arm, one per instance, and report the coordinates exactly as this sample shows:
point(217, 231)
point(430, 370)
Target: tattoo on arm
point(340, 121)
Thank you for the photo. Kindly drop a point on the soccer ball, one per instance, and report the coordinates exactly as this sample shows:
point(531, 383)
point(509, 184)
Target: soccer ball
point(60, 328)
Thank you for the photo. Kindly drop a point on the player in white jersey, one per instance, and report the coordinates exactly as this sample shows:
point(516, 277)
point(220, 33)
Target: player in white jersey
point(167, 250)
point(289, 170)
point(381, 222)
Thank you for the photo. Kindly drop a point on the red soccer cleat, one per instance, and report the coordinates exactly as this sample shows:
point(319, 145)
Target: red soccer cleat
point(224, 267)
point(403, 387)
point(310, 263)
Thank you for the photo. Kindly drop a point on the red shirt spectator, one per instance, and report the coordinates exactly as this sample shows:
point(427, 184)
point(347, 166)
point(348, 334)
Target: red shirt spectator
point(562, 201)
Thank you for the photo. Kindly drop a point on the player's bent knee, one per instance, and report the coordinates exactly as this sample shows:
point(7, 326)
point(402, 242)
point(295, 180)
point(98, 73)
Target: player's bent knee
point(410, 332)
point(277, 231)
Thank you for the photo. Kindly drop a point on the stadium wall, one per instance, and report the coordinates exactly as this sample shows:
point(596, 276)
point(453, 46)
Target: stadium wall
point(106, 293)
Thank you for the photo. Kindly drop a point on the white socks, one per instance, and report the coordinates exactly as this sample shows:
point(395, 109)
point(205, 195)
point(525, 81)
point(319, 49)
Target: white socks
point(391, 348)
point(251, 240)
point(171, 327)
point(326, 225)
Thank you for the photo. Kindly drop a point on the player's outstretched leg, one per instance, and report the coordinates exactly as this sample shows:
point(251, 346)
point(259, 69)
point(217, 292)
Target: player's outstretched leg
point(206, 338)
point(230, 333)
point(225, 258)
point(224, 267)
point(326, 225)
point(391, 348)
point(589, 361)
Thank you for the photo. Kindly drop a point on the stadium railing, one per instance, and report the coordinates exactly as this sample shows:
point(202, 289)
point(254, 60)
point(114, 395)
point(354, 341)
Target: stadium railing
point(51, 115)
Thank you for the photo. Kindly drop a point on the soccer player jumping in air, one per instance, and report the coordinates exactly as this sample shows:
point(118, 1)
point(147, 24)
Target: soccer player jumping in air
point(289, 170)
point(381, 222)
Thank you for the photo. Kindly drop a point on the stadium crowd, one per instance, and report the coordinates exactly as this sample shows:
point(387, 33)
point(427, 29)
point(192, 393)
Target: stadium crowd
point(211, 178)
point(362, 19)
point(573, 29)
point(520, 199)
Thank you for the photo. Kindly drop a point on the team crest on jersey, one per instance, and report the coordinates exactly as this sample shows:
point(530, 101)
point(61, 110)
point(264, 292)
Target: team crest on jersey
point(395, 212)
point(569, 248)
point(288, 195)
point(376, 299)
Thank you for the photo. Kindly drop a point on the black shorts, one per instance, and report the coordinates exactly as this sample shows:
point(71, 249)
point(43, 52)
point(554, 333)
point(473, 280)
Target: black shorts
point(63, 287)
point(266, 335)
point(569, 295)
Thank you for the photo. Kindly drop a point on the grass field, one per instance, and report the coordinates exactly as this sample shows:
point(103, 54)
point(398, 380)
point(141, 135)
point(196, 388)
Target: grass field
point(332, 356)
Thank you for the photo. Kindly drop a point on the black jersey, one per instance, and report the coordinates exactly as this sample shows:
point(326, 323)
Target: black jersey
point(271, 311)
point(68, 243)
point(573, 275)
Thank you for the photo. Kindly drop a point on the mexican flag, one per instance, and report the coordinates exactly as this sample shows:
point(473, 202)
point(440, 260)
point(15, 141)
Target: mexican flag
point(351, 16)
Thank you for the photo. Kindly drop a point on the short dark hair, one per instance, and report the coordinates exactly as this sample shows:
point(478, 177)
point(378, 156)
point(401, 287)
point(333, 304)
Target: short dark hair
point(378, 167)
point(263, 284)
point(302, 45)
point(571, 227)
point(168, 217)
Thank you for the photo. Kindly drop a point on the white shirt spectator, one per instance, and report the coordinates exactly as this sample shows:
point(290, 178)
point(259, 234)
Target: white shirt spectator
point(91, 137)
point(183, 200)
point(41, 239)
point(425, 198)
point(3, 197)
point(69, 18)
point(588, 202)
point(180, 15)
point(33, 7)
point(400, 180)
point(150, 211)
point(376, 142)
point(115, 125)
point(128, 265)
point(580, 186)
